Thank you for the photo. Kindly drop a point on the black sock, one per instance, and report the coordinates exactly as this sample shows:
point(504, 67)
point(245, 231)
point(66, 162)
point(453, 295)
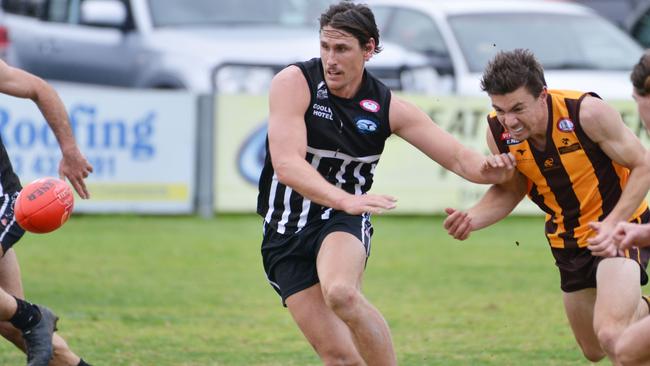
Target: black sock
point(27, 315)
point(83, 363)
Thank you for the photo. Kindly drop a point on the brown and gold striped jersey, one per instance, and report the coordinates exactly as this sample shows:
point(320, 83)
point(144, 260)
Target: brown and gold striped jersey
point(571, 179)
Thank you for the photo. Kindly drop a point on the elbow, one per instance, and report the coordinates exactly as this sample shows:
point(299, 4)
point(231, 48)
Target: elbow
point(283, 171)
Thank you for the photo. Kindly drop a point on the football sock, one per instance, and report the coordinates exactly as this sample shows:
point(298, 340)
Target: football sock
point(83, 363)
point(27, 315)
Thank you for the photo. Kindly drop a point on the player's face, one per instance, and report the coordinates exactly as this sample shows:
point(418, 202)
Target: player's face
point(643, 105)
point(343, 61)
point(522, 114)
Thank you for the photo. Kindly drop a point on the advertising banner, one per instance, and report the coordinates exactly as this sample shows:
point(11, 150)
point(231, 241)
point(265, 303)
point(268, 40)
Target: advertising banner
point(141, 145)
point(420, 184)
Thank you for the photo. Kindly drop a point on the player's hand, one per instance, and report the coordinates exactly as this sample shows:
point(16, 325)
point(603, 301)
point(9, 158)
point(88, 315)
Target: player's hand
point(76, 168)
point(458, 224)
point(602, 244)
point(627, 235)
point(499, 167)
point(370, 203)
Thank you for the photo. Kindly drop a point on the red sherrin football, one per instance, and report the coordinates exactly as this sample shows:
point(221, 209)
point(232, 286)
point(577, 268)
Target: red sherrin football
point(44, 205)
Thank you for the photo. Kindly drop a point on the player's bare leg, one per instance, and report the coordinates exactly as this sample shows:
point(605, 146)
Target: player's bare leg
point(618, 301)
point(340, 263)
point(329, 336)
point(10, 280)
point(579, 308)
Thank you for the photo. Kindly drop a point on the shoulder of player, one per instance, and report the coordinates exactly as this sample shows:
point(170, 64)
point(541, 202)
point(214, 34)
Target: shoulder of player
point(400, 108)
point(291, 83)
point(289, 76)
point(598, 118)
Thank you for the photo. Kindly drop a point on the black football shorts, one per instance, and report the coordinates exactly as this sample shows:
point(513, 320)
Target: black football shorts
point(290, 259)
point(10, 231)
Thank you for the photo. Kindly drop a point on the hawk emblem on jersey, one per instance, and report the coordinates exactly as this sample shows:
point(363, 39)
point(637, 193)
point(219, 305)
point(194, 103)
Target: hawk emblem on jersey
point(565, 125)
point(369, 105)
point(366, 126)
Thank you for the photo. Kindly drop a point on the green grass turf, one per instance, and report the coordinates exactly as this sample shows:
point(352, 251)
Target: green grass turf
point(158, 291)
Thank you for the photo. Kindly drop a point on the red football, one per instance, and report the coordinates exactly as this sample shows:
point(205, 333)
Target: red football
point(44, 205)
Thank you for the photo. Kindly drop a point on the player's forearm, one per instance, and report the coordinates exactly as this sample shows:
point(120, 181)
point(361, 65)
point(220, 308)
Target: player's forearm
point(304, 179)
point(495, 205)
point(56, 116)
point(633, 195)
point(469, 165)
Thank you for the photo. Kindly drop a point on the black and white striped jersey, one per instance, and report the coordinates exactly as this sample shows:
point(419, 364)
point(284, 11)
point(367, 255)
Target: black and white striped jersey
point(345, 138)
point(9, 182)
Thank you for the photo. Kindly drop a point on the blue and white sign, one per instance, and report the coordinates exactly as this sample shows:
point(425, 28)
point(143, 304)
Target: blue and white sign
point(141, 143)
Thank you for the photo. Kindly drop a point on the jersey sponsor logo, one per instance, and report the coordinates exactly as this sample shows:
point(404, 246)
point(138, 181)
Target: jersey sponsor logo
point(370, 105)
point(322, 111)
point(505, 136)
point(568, 146)
point(366, 126)
point(321, 92)
point(565, 125)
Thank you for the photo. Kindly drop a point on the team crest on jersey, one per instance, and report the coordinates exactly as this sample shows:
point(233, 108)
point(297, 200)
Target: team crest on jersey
point(550, 164)
point(321, 91)
point(370, 105)
point(505, 136)
point(365, 125)
point(565, 125)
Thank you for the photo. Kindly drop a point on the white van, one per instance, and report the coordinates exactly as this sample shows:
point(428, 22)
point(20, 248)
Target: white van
point(578, 49)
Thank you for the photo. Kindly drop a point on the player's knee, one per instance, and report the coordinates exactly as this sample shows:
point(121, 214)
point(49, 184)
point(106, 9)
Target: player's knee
point(341, 297)
point(607, 337)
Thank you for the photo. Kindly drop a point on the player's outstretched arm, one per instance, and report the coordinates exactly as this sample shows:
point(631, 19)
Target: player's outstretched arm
point(496, 204)
point(414, 126)
point(21, 84)
point(288, 99)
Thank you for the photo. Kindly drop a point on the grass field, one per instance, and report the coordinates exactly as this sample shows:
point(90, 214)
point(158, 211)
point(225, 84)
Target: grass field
point(186, 291)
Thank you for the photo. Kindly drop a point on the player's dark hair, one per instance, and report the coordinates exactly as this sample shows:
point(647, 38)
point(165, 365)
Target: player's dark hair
point(356, 19)
point(510, 70)
point(640, 75)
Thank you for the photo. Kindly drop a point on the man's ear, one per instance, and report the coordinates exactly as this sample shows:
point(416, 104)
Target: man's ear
point(369, 49)
point(544, 93)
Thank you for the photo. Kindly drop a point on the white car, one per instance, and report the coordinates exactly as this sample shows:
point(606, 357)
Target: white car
point(197, 45)
point(578, 49)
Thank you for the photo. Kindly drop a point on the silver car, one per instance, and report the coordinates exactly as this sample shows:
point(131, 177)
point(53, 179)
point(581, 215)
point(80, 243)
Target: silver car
point(198, 45)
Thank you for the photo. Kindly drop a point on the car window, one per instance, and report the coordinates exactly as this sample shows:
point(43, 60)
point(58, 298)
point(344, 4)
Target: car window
point(641, 30)
point(57, 11)
point(167, 13)
point(30, 8)
point(559, 41)
point(415, 31)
